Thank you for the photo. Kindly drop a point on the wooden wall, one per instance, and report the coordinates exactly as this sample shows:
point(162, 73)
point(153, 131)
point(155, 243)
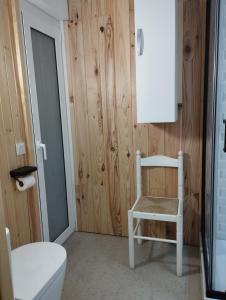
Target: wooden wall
point(100, 43)
point(21, 209)
point(6, 292)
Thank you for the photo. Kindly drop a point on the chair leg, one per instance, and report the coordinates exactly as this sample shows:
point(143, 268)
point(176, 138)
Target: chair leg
point(139, 231)
point(179, 245)
point(131, 239)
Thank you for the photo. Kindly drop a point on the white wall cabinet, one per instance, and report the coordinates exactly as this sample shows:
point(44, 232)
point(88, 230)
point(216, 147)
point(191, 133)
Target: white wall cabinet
point(158, 35)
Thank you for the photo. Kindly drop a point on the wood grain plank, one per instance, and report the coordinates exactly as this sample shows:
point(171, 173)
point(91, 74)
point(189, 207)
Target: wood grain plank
point(124, 107)
point(6, 290)
point(73, 7)
point(94, 111)
point(78, 106)
point(156, 176)
point(7, 191)
point(99, 178)
point(173, 134)
point(105, 7)
point(17, 210)
point(107, 75)
point(12, 126)
point(194, 31)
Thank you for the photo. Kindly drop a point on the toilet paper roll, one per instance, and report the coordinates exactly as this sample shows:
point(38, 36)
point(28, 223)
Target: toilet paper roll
point(24, 183)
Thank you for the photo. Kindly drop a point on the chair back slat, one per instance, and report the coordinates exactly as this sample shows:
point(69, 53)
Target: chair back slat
point(138, 175)
point(159, 161)
point(181, 181)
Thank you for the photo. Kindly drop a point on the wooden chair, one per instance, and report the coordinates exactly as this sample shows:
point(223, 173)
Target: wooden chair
point(157, 208)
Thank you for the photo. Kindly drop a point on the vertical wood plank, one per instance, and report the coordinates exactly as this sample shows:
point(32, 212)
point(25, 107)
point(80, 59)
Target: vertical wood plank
point(12, 126)
point(6, 290)
point(107, 74)
point(194, 33)
point(124, 107)
point(156, 176)
point(173, 134)
point(95, 114)
point(78, 106)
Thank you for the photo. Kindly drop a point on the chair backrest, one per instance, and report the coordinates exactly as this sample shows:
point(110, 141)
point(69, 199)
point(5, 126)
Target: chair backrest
point(160, 161)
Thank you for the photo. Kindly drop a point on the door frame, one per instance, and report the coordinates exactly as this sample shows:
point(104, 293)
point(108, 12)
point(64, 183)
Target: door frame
point(212, 16)
point(32, 16)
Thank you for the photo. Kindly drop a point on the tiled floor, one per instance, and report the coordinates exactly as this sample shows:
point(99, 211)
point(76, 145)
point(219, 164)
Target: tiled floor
point(98, 270)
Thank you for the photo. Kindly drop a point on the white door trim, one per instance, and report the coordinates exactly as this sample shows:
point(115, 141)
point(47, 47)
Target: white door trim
point(73, 206)
point(36, 18)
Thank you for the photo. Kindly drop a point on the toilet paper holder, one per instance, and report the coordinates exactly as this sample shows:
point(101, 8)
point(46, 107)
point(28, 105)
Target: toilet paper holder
point(22, 172)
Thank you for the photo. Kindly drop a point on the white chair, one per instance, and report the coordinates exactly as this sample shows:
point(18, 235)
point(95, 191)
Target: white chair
point(157, 208)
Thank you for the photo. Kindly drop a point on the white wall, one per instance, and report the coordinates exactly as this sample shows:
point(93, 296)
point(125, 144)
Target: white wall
point(55, 8)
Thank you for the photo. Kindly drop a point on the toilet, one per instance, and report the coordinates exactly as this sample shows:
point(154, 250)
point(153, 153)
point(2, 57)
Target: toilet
point(38, 270)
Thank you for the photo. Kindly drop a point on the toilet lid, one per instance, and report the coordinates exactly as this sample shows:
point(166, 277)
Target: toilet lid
point(33, 266)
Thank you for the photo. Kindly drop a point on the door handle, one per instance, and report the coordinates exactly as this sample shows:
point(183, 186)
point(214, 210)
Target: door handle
point(42, 146)
point(140, 42)
point(224, 135)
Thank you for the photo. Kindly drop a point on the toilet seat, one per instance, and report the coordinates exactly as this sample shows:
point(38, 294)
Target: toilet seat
point(34, 267)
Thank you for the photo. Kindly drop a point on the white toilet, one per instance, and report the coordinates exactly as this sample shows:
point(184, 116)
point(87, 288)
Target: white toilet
point(38, 270)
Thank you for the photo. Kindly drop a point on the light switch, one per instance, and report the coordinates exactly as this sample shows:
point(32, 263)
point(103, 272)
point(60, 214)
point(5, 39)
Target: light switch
point(20, 149)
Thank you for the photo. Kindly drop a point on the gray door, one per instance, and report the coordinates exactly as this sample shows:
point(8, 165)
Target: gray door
point(51, 131)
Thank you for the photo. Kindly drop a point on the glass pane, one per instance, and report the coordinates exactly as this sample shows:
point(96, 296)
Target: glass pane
point(51, 131)
point(219, 228)
point(210, 96)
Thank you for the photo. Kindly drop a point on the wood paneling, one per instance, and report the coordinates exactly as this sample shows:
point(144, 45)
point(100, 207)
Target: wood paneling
point(101, 64)
point(6, 292)
point(100, 44)
point(193, 78)
point(21, 208)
